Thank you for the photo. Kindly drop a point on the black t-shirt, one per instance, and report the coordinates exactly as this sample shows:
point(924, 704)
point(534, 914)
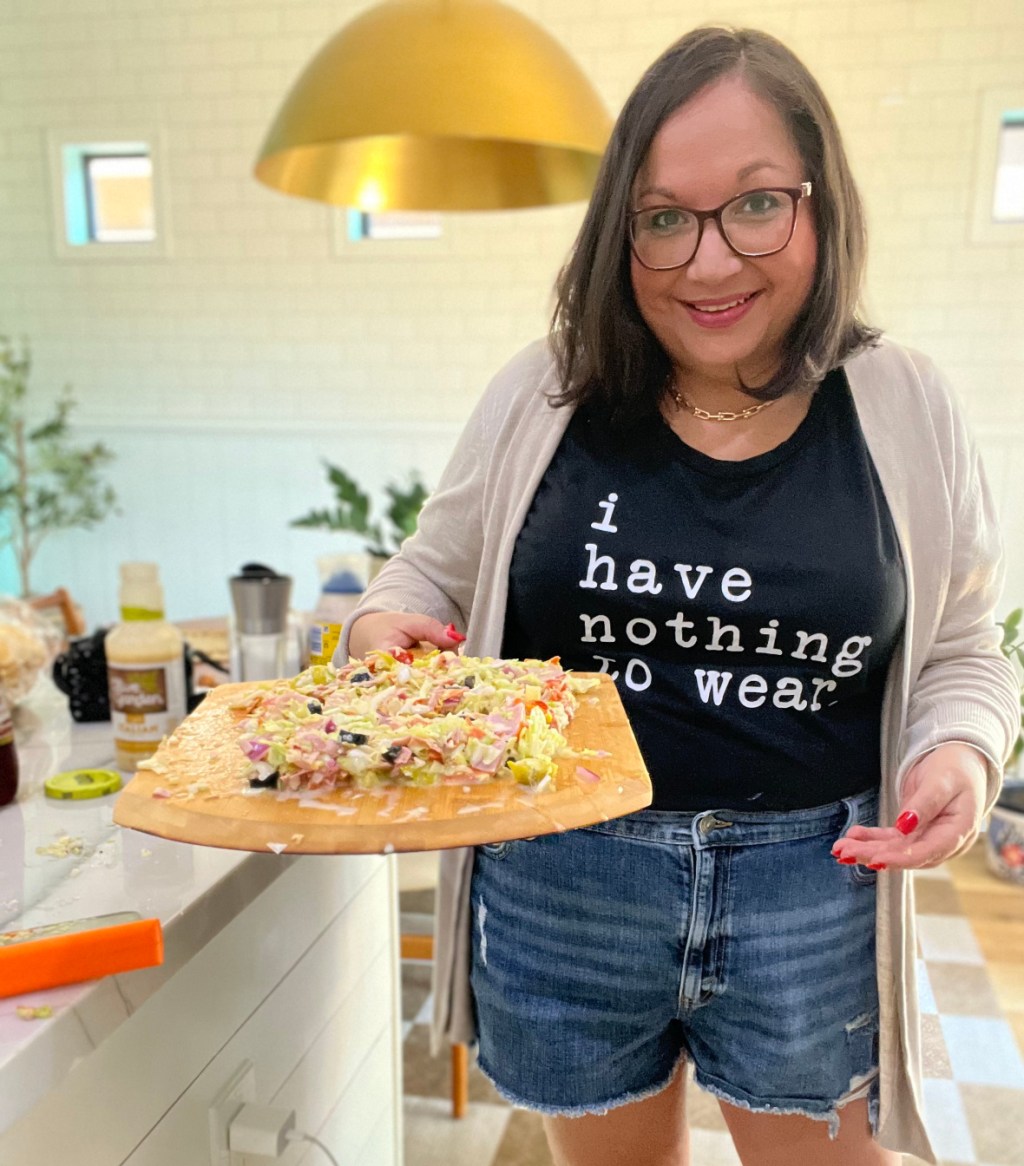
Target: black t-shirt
point(748, 611)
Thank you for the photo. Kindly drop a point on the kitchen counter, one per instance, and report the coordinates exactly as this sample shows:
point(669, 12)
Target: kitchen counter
point(126, 1068)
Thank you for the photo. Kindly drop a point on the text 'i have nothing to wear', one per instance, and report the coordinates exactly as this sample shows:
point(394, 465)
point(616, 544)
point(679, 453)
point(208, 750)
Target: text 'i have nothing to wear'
point(747, 611)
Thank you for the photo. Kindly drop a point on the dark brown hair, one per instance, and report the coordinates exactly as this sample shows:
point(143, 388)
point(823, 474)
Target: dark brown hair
point(605, 352)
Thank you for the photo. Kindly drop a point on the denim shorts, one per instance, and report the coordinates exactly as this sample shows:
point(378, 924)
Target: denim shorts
point(604, 956)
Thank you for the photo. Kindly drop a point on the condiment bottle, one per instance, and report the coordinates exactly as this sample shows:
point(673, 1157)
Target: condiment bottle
point(145, 668)
point(323, 639)
point(8, 756)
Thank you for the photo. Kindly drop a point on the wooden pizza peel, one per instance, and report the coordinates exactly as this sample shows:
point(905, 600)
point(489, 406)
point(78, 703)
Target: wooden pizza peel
point(204, 749)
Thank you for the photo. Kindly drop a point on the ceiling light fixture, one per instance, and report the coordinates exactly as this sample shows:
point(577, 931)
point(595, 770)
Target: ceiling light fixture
point(439, 105)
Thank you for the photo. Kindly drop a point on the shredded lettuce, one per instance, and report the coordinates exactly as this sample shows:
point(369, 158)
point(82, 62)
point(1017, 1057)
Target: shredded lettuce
point(397, 719)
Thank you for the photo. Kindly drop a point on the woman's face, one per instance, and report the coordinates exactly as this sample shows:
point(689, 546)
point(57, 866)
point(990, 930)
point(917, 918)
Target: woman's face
point(724, 141)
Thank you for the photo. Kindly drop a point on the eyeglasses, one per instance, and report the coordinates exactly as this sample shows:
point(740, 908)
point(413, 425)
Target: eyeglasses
point(757, 222)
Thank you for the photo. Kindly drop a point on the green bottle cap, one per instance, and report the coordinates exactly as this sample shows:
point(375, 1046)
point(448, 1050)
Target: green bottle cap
point(82, 783)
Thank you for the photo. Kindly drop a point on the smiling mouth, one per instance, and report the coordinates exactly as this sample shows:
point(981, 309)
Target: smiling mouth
point(720, 306)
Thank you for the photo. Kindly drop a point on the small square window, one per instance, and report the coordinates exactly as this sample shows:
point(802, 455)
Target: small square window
point(389, 234)
point(363, 225)
point(106, 198)
point(1008, 199)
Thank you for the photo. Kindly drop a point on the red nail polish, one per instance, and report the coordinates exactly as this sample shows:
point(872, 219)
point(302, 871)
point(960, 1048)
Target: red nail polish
point(452, 634)
point(847, 861)
point(876, 866)
point(906, 823)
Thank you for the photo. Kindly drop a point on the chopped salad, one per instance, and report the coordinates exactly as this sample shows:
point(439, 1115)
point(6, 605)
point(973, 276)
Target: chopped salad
point(396, 719)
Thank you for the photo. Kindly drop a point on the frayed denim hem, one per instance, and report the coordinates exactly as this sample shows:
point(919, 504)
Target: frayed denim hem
point(866, 1087)
point(597, 1110)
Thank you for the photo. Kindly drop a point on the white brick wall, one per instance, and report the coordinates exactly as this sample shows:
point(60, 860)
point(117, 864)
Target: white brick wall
point(222, 374)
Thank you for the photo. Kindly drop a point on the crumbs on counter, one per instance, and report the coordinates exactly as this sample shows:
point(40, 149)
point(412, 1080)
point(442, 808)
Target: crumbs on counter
point(28, 1012)
point(63, 847)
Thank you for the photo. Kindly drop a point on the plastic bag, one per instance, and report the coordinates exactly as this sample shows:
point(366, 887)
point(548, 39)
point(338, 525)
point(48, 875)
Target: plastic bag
point(28, 644)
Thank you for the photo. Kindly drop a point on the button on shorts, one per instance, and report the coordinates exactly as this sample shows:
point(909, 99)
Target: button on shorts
point(604, 956)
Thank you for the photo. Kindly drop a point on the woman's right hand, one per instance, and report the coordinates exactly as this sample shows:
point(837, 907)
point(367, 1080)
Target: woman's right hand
point(397, 629)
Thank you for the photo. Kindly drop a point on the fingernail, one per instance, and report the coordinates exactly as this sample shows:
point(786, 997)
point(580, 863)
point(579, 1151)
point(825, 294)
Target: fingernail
point(876, 866)
point(906, 823)
point(452, 634)
point(847, 861)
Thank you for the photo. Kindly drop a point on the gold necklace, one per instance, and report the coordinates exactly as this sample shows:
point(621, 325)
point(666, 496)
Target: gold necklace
point(704, 415)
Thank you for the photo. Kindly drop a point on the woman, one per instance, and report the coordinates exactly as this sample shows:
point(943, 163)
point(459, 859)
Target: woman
point(771, 526)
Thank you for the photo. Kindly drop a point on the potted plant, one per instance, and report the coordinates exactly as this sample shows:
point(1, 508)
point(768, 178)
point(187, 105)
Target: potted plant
point(352, 512)
point(46, 482)
point(1005, 839)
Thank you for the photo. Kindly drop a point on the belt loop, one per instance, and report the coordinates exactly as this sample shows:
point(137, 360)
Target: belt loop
point(852, 816)
point(703, 824)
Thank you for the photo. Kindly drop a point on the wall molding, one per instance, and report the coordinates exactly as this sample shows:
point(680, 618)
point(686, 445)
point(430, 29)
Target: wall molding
point(265, 427)
point(989, 431)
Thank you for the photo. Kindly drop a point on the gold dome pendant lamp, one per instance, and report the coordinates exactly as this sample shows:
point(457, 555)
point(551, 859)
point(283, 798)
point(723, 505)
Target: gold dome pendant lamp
point(438, 105)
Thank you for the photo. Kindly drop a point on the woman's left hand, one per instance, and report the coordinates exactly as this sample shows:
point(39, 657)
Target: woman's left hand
point(941, 812)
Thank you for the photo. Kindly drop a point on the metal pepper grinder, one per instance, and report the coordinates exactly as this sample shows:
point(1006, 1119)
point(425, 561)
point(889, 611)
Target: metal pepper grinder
point(261, 599)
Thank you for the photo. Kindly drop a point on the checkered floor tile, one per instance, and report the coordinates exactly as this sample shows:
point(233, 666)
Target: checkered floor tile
point(971, 984)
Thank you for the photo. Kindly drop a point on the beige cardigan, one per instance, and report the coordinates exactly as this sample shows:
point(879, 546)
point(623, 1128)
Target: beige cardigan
point(948, 680)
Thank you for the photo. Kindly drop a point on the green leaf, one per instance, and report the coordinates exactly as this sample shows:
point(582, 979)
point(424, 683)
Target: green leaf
point(405, 508)
point(353, 508)
point(318, 518)
point(345, 488)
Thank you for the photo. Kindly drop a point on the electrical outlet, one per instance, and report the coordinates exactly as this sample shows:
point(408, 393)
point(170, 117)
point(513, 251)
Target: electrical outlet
point(224, 1108)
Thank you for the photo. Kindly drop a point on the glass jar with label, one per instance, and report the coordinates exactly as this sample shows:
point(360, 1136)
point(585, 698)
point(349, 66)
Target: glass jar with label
point(8, 756)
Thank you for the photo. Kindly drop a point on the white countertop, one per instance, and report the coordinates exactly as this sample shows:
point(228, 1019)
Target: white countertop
point(194, 891)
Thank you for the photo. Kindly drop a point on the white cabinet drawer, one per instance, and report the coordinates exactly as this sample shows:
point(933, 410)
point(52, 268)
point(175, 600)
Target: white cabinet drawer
point(302, 983)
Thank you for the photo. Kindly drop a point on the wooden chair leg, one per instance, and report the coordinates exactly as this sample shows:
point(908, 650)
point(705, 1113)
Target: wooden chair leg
point(416, 947)
point(421, 947)
point(460, 1080)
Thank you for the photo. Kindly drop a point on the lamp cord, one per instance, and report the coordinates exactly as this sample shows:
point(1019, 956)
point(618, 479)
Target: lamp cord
point(299, 1136)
